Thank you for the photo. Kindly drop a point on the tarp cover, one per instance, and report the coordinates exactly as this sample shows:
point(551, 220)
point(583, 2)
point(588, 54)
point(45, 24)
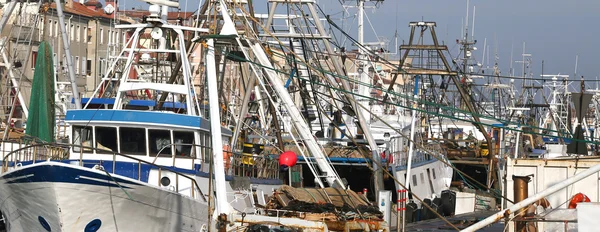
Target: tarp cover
point(41, 118)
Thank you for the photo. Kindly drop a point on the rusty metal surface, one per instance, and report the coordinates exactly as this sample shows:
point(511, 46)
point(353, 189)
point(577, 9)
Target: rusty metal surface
point(306, 225)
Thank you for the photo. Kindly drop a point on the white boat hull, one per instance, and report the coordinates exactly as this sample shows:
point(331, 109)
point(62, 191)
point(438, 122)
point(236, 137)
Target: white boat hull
point(52, 196)
point(428, 178)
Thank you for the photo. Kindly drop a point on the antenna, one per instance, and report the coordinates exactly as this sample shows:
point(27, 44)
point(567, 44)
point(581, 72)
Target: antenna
point(512, 49)
point(484, 49)
point(473, 25)
point(467, 19)
point(576, 60)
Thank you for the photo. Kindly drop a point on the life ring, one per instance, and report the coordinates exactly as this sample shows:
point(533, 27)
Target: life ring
point(577, 198)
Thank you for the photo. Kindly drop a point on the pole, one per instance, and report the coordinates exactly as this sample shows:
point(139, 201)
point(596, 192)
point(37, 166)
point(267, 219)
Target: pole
point(412, 135)
point(7, 13)
point(496, 217)
point(364, 121)
point(400, 222)
point(67, 49)
point(215, 128)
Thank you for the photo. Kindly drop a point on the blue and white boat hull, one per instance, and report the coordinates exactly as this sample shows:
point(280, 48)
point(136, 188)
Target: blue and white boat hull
point(53, 196)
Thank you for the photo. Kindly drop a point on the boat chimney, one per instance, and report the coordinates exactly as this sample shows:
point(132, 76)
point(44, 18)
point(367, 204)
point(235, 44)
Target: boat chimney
point(521, 192)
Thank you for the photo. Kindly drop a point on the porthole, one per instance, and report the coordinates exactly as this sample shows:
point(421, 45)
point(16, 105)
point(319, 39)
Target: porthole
point(93, 226)
point(44, 223)
point(165, 181)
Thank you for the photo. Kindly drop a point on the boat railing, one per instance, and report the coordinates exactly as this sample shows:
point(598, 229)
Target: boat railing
point(61, 127)
point(419, 156)
point(39, 152)
point(256, 166)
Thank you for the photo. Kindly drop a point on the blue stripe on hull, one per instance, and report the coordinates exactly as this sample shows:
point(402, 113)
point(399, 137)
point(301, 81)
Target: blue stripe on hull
point(56, 173)
point(131, 170)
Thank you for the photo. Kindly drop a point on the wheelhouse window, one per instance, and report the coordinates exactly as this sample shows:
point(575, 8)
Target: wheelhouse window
point(183, 142)
point(82, 136)
point(160, 142)
point(106, 139)
point(133, 140)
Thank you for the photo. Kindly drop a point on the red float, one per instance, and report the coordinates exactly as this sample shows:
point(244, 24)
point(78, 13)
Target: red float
point(577, 198)
point(288, 159)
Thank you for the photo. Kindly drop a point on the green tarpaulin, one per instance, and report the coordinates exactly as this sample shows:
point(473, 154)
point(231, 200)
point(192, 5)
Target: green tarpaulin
point(41, 118)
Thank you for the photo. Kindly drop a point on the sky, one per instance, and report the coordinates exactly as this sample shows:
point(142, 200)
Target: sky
point(555, 31)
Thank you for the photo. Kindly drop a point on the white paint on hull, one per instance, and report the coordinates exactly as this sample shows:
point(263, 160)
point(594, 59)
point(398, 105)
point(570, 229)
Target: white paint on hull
point(71, 206)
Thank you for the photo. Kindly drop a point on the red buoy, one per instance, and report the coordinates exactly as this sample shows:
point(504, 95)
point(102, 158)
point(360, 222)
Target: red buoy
point(287, 159)
point(577, 198)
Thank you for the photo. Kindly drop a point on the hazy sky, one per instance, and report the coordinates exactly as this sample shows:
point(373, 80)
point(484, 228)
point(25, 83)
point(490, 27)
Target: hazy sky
point(555, 31)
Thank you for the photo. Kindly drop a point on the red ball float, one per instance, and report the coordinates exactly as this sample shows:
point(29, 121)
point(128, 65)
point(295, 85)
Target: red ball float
point(288, 159)
point(578, 198)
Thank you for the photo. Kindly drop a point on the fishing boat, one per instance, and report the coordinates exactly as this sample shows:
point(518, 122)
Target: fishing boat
point(132, 163)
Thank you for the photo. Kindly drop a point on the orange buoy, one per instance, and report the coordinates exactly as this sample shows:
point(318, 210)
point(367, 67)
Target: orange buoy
point(577, 198)
point(227, 156)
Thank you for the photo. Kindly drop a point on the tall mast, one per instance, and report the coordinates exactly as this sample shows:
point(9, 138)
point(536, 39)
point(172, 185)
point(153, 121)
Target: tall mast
point(67, 50)
point(364, 91)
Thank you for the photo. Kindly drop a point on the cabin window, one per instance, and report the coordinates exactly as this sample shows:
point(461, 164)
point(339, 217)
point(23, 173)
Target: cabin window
point(106, 139)
point(183, 143)
point(433, 172)
point(133, 140)
point(422, 179)
point(414, 179)
point(206, 145)
point(80, 134)
point(160, 141)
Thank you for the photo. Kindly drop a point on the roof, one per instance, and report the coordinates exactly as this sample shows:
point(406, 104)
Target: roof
point(81, 9)
point(170, 15)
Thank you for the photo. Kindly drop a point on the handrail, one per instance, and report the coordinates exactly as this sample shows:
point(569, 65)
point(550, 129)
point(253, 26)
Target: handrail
point(5, 164)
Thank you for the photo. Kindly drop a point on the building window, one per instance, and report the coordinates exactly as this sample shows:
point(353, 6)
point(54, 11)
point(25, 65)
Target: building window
point(83, 65)
point(33, 59)
point(63, 64)
point(78, 36)
point(56, 28)
point(85, 35)
point(72, 33)
point(101, 66)
point(88, 67)
point(133, 140)
point(54, 61)
point(50, 29)
point(76, 63)
point(101, 35)
point(41, 27)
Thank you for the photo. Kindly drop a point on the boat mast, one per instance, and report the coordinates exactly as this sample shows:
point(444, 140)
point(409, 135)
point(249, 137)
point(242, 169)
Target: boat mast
point(67, 50)
point(364, 91)
point(215, 128)
point(7, 13)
